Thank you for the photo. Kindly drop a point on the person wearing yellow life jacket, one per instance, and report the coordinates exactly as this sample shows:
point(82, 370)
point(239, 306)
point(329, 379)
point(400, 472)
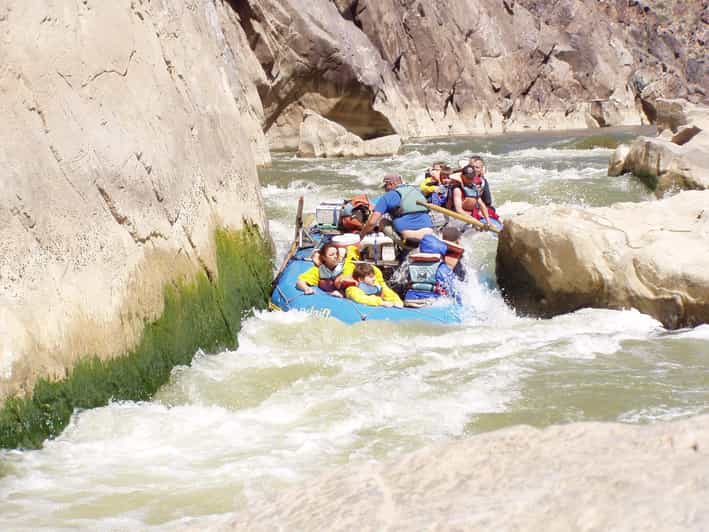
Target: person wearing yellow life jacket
point(326, 276)
point(410, 219)
point(370, 291)
point(432, 179)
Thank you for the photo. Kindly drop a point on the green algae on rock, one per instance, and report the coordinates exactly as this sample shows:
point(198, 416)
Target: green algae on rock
point(199, 313)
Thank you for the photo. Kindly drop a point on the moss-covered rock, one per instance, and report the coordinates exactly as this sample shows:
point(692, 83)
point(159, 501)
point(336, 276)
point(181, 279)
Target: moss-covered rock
point(198, 313)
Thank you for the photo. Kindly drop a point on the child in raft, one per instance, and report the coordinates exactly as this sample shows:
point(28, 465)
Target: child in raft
point(368, 291)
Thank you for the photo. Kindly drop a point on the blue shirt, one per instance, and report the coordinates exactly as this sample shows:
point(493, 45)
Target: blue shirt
point(416, 220)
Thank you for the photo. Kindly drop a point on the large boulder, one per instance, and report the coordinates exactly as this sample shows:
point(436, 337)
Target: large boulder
point(650, 256)
point(678, 158)
point(320, 137)
point(131, 132)
point(580, 476)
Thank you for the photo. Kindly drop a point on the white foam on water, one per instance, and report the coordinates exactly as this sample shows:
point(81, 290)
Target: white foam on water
point(511, 208)
point(662, 413)
point(557, 153)
point(700, 332)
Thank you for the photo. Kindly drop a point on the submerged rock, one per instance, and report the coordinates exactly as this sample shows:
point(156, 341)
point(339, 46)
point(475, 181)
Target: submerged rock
point(651, 256)
point(581, 476)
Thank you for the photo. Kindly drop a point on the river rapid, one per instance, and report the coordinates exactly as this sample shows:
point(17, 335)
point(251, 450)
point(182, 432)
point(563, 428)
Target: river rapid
point(301, 395)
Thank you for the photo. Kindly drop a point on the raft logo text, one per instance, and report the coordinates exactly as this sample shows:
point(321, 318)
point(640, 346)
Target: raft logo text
point(318, 312)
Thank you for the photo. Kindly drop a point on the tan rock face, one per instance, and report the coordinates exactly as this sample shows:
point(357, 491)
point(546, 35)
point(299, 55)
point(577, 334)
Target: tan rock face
point(580, 476)
point(381, 66)
point(128, 135)
point(320, 137)
point(678, 158)
point(650, 256)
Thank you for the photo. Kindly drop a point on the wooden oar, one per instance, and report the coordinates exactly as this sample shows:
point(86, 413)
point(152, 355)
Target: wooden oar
point(462, 217)
point(296, 241)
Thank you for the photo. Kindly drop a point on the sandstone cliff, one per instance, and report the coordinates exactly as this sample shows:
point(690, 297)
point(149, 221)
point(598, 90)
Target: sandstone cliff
point(131, 132)
point(457, 67)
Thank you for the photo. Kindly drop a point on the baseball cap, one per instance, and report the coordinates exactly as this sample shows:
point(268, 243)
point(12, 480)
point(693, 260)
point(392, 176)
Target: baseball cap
point(393, 179)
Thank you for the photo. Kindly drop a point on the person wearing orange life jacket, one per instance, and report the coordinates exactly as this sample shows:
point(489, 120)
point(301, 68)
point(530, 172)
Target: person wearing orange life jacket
point(326, 276)
point(370, 291)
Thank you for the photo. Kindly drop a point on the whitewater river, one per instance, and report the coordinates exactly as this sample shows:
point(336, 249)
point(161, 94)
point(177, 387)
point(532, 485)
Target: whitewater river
point(301, 396)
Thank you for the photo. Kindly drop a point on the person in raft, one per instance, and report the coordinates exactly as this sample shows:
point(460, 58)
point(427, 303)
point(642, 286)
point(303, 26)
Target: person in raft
point(326, 276)
point(370, 292)
point(479, 167)
point(467, 196)
point(434, 269)
point(410, 219)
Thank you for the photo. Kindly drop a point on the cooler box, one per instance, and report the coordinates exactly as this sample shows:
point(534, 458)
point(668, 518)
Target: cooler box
point(328, 213)
point(378, 247)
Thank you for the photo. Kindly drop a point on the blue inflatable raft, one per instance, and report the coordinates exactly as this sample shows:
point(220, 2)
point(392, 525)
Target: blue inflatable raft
point(286, 296)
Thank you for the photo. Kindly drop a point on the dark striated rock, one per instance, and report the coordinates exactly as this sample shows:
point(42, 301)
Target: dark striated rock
point(383, 66)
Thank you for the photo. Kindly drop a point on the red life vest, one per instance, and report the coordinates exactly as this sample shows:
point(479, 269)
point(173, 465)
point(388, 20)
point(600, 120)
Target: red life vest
point(355, 213)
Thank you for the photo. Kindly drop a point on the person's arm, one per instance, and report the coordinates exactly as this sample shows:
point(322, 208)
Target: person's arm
point(458, 200)
point(371, 223)
point(357, 295)
point(349, 265)
point(389, 295)
point(484, 210)
point(307, 280)
point(428, 187)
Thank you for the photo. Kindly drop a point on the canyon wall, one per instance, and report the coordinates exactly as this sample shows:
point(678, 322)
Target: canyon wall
point(131, 134)
point(459, 67)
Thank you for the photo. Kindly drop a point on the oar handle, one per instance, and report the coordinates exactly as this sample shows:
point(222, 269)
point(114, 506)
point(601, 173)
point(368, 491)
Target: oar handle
point(462, 217)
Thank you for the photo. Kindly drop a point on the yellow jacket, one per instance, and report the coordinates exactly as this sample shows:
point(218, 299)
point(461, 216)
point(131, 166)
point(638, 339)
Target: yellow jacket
point(355, 293)
point(311, 276)
point(348, 268)
point(429, 186)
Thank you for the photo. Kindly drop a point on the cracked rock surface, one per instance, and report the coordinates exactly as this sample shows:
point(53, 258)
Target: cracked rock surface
point(131, 130)
point(379, 67)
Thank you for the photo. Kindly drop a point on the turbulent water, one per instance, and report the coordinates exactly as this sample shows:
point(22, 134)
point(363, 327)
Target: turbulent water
point(302, 395)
